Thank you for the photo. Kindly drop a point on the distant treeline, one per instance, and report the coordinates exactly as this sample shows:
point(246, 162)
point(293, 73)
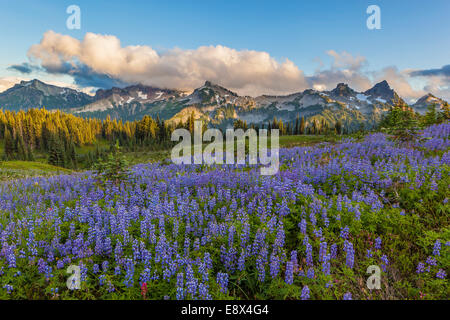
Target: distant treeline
point(297, 127)
point(397, 116)
point(58, 135)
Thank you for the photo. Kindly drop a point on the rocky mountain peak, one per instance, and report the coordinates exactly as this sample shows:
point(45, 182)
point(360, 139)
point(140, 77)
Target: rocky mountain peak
point(383, 92)
point(216, 89)
point(422, 104)
point(343, 90)
point(381, 89)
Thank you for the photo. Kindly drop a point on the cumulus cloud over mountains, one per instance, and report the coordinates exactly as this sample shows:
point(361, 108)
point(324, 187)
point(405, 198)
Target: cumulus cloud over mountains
point(101, 61)
point(102, 55)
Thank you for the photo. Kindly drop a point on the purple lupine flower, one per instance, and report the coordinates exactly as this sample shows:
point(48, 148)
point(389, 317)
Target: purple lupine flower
point(101, 279)
point(11, 259)
point(274, 265)
point(294, 259)
point(191, 282)
point(309, 257)
point(441, 274)
point(129, 273)
point(302, 225)
point(350, 254)
point(431, 261)
point(117, 271)
point(310, 273)
point(305, 293)
point(241, 261)
point(261, 265)
point(208, 261)
point(433, 185)
point(180, 286)
point(203, 291)
point(347, 296)
point(59, 264)
point(344, 233)
point(322, 251)
point(145, 276)
point(420, 268)
point(378, 243)
point(326, 267)
point(42, 266)
point(318, 233)
point(333, 251)
point(222, 281)
point(111, 287)
point(289, 276)
point(385, 263)
point(437, 248)
point(9, 288)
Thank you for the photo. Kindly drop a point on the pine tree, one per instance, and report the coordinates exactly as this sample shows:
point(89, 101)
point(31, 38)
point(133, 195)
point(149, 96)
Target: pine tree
point(314, 127)
point(9, 145)
point(338, 127)
point(21, 151)
point(56, 154)
point(297, 124)
point(114, 169)
point(191, 123)
point(302, 125)
point(29, 153)
point(431, 116)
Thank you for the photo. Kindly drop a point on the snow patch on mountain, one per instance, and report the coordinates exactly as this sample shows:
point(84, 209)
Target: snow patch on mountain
point(142, 95)
point(362, 97)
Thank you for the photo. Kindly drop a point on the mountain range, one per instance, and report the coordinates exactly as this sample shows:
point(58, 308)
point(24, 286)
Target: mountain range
point(36, 94)
point(214, 104)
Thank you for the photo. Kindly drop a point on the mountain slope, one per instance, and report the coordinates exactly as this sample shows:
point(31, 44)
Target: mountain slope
point(422, 104)
point(131, 103)
point(215, 104)
point(36, 94)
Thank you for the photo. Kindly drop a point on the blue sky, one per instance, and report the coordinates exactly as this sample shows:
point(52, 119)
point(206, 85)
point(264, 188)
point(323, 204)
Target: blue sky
point(414, 35)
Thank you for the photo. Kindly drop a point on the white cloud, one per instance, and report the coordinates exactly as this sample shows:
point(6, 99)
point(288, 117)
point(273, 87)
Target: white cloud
point(9, 82)
point(399, 80)
point(101, 61)
point(247, 71)
point(345, 68)
point(346, 60)
point(439, 86)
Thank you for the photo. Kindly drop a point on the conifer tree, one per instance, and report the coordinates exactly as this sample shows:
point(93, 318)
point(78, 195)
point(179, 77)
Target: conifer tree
point(9, 144)
point(302, 125)
point(338, 127)
point(431, 115)
point(56, 153)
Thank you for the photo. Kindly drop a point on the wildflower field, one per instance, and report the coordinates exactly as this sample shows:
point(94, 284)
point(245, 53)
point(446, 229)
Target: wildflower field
point(226, 232)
